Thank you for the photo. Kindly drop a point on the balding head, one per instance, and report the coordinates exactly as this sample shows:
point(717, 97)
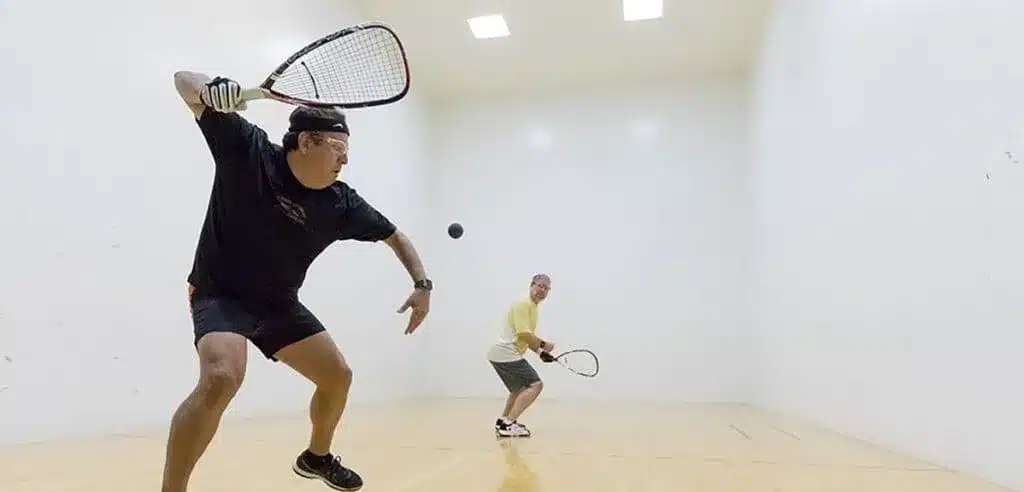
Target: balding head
point(540, 286)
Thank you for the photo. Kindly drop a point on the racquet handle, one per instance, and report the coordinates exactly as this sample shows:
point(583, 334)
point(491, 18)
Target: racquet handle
point(253, 94)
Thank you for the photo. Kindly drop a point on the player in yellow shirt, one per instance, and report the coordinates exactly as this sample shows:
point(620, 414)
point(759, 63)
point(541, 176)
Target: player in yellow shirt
point(519, 334)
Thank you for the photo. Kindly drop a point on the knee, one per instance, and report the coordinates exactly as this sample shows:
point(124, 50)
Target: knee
point(219, 383)
point(344, 377)
point(338, 381)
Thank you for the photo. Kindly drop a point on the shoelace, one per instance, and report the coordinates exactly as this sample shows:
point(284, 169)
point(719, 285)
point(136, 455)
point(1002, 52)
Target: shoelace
point(335, 468)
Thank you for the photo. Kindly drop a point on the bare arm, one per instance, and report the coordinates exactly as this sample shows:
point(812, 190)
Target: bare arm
point(406, 252)
point(189, 85)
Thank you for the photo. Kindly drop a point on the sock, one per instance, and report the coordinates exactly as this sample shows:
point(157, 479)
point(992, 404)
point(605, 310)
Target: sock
point(316, 459)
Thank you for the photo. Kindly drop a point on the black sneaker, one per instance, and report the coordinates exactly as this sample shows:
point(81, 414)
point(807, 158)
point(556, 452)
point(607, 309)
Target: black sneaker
point(328, 469)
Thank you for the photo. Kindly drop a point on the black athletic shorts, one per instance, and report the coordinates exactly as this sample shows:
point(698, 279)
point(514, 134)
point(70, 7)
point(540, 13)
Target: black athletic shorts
point(269, 329)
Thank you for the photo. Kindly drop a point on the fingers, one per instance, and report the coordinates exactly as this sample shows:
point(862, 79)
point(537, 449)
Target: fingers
point(417, 317)
point(420, 307)
point(223, 95)
point(406, 305)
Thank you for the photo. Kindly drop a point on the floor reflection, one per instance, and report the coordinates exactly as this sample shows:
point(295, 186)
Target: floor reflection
point(518, 475)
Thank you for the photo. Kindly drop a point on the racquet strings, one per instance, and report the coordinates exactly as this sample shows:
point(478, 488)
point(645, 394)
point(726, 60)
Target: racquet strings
point(581, 362)
point(364, 66)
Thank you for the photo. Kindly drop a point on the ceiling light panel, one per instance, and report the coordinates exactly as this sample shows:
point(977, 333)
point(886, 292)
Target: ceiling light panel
point(488, 26)
point(636, 10)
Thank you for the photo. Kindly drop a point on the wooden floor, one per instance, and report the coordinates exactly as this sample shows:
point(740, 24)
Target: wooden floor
point(449, 446)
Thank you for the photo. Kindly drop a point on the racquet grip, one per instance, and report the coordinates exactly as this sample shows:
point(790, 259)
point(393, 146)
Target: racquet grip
point(253, 94)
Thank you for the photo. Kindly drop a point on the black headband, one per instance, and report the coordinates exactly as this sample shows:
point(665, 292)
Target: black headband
point(317, 120)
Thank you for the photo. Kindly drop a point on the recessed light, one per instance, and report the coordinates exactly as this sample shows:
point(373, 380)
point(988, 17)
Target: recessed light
point(488, 26)
point(635, 10)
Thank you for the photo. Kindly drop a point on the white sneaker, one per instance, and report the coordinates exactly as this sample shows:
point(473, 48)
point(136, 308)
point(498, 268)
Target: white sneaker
point(513, 429)
point(524, 428)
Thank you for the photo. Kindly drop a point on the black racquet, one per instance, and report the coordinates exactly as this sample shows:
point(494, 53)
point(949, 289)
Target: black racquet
point(579, 361)
point(359, 66)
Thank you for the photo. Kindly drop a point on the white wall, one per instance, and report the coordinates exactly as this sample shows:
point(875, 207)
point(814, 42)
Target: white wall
point(628, 197)
point(105, 180)
point(888, 266)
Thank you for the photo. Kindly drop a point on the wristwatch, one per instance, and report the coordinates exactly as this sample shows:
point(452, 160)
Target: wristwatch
point(424, 284)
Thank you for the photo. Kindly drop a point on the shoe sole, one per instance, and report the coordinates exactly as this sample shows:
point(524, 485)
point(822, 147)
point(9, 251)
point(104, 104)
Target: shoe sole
point(313, 476)
point(520, 436)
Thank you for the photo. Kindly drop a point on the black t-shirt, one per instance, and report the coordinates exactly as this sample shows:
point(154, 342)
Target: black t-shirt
point(263, 228)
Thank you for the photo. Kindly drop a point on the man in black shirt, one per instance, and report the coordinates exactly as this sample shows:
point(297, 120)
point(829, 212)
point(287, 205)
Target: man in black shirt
point(273, 209)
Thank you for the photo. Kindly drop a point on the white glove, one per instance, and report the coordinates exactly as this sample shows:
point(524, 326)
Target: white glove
point(223, 95)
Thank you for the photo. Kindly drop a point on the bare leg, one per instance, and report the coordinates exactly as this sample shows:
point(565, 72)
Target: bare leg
point(524, 399)
point(318, 359)
point(222, 358)
point(508, 405)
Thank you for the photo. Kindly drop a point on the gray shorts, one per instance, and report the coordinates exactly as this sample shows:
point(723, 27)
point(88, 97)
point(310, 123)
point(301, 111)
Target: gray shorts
point(517, 375)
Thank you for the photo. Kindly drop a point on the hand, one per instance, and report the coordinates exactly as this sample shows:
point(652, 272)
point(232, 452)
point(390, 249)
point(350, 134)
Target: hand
point(419, 301)
point(223, 95)
point(547, 347)
point(546, 357)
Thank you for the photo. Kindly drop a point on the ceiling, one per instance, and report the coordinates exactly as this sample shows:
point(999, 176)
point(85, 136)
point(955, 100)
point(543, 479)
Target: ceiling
point(559, 43)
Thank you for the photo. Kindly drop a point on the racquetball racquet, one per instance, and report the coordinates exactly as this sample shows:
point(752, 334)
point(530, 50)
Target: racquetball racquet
point(359, 66)
point(579, 361)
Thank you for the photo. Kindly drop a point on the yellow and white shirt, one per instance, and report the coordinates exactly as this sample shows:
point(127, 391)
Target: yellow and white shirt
point(521, 318)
